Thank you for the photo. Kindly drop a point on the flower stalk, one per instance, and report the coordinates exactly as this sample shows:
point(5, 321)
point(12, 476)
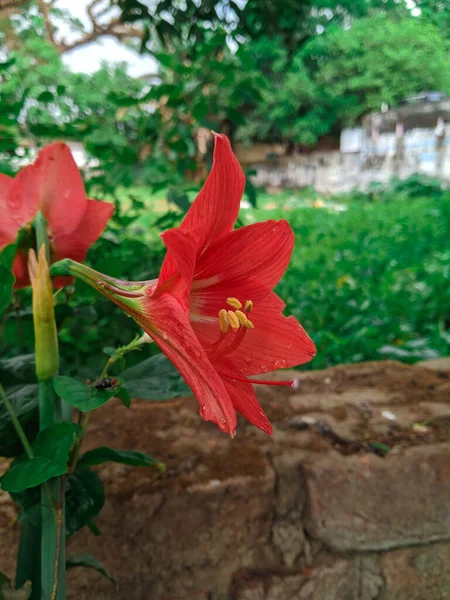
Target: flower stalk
point(50, 411)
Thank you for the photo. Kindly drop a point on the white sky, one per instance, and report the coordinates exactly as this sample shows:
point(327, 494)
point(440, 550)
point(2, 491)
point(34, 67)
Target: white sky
point(89, 58)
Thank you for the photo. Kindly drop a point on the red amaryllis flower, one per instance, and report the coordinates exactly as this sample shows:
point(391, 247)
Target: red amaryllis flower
point(212, 310)
point(52, 185)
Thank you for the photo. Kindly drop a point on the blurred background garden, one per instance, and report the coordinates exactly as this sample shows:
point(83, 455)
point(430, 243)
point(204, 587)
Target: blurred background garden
point(135, 88)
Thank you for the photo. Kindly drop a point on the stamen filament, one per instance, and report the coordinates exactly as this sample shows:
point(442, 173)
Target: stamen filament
point(236, 340)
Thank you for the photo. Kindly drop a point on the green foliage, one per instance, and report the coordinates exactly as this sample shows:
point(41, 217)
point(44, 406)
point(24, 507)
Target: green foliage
point(83, 559)
point(293, 20)
point(51, 449)
point(79, 395)
point(155, 379)
point(24, 400)
point(337, 77)
point(6, 276)
point(377, 60)
point(104, 454)
point(85, 498)
point(417, 185)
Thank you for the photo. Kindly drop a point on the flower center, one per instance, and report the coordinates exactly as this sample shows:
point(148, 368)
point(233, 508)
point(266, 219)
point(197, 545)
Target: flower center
point(233, 327)
point(235, 318)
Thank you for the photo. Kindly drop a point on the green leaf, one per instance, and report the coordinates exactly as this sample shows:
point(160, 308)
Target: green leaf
point(8, 63)
point(83, 559)
point(126, 457)
point(45, 97)
point(85, 498)
point(18, 368)
point(25, 402)
point(7, 278)
point(124, 396)
point(7, 255)
point(29, 502)
point(167, 60)
point(181, 199)
point(380, 447)
point(109, 350)
point(80, 395)
point(8, 593)
point(91, 525)
point(51, 450)
point(155, 379)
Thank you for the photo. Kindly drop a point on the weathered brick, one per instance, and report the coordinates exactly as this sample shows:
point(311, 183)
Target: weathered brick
point(369, 503)
point(421, 573)
point(334, 581)
point(184, 544)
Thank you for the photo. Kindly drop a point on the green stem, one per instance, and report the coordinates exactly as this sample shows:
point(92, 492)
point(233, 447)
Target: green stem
point(47, 404)
point(77, 448)
point(53, 558)
point(16, 423)
point(28, 563)
point(52, 498)
point(135, 344)
point(40, 226)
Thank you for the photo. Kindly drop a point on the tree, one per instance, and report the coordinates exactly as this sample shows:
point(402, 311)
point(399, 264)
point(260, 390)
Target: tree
point(376, 60)
point(339, 76)
point(103, 16)
point(290, 21)
point(436, 12)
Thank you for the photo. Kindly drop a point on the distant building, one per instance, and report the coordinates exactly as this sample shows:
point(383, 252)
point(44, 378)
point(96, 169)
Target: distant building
point(412, 138)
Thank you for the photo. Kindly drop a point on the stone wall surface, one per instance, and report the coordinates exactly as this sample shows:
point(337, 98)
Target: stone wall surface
point(317, 512)
point(362, 160)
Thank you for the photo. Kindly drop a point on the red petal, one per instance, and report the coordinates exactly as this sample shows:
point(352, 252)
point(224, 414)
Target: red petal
point(76, 244)
point(215, 209)
point(54, 186)
point(244, 401)
point(275, 342)
point(181, 255)
point(245, 264)
point(21, 202)
point(8, 227)
point(168, 325)
point(20, 270)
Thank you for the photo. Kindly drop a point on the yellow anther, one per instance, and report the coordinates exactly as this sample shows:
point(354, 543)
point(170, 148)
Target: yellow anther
point(234, 302)
point(249, 324)
point(248, 306)
point(234, 321)
point(242, 317)
point(223, 320)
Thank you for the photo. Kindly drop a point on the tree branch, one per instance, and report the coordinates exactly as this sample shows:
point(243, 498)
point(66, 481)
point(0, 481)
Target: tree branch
point(14, 4)
point(114, 28)
point(44, 7)
point(117, 30)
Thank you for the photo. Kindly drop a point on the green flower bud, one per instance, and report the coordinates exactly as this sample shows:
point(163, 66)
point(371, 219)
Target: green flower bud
point(46, 337)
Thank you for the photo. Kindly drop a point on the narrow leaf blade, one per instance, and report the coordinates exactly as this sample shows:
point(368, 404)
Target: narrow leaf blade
point(126, 457)
point(83, 559)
